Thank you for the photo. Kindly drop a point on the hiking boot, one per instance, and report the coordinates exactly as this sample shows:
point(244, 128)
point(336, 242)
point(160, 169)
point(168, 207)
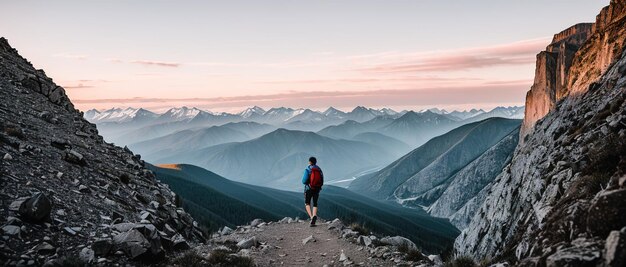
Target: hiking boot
point(313, 220)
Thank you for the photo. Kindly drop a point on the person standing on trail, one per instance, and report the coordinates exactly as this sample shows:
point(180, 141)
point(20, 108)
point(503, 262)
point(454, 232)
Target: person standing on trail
point(313, 179)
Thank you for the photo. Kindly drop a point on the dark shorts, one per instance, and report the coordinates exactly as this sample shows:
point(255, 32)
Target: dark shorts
point(311, 194)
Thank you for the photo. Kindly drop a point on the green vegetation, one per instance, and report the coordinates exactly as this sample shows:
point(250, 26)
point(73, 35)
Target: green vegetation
point(461, 261)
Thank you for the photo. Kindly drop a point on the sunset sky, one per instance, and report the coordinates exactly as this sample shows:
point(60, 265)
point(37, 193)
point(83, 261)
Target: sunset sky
point(227, 55)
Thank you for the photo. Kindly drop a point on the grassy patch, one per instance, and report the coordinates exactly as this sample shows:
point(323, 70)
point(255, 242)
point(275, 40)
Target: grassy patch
point(461, 261)
point(191, 258)
point(362, 230)
point(221, 257)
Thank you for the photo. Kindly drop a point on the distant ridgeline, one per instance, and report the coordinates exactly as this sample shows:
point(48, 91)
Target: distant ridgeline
point(215, 202)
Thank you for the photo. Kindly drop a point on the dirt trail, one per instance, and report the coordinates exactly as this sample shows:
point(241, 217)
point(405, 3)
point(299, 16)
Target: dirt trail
point(283, 245)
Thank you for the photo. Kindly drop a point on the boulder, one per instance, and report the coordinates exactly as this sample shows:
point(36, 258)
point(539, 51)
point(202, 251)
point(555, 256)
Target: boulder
point(247, 243)
point(11, 230)
point(436, 259)
point(45, 248)
point(574, 256)
point(256, 222)
point(74, 157)
point(36, 208)
point(336, 224)
point(615, 248)
point(102, 247)
point(308, 239)
point(607, 212)
point(226, 231)
point(7, 156)
point(123, 227)
point(86, 255)
point(133, 243)
point(179, 242)
point(364, 241)
point(343, 256)
point(347, 233)
point(397, 241)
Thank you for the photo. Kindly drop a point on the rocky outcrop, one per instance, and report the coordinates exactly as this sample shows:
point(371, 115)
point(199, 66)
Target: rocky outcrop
point(574, 60)
point(561, 197)
point(552, 72)
point(470, 184)
point(69, 196)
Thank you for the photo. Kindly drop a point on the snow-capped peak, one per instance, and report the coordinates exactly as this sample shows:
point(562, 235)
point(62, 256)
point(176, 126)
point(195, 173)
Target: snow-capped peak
point(253, 111)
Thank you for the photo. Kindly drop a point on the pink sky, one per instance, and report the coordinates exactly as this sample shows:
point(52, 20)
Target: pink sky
point(225, 56)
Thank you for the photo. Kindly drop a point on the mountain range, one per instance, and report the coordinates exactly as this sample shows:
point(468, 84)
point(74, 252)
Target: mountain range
point(278, 159)
point(217, 201)
point(132, 125)
point(445, 173)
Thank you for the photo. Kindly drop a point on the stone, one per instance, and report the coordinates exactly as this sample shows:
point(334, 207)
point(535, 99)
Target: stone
point(284, 220)
point(83, 188)
point(436, 260)
point(364, 241)
point(45, 248)
point(86, 255)
point(256, 222)
point(133, 243)
point(226, 230)
point(36, 208)
point(46, 116)
point(343, 256)
point(123, 227)
point(247, 243)
point(60, 144)
point(347, 233)
point(336, 224)
point(69, 230)
point(308, 239)
point(615, 249)
point(573, 256)
point(397, 241)
point(7, 156)
point(15, 205)
point(607, 212)
point(179, 242)
point(11, 230)
point(102, 247)
point(72, 156)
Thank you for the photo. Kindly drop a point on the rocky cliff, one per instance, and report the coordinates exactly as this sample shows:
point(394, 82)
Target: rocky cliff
point(561, 201)
point(67, 196)
point(551, 73)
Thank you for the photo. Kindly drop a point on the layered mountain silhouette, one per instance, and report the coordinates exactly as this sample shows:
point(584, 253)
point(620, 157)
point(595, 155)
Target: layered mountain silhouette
point(278, 159)
point(217, 202)
point(448, 170)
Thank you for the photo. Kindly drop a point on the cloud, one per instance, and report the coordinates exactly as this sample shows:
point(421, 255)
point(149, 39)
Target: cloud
point(77, 86)
point(82, 83)
point(376, 80)
point(156, 63)
point(517, 53)
point(486, 93)
point(71, 56)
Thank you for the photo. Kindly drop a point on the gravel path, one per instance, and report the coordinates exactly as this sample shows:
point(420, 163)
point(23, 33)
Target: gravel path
point(284, 246)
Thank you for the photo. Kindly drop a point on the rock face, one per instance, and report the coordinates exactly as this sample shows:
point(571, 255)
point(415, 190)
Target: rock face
point(560, 197)
point(451, 173)
point(551, 73)
point(67, 188)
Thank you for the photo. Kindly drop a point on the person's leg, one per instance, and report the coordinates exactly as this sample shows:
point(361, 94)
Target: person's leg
point(315, 198)
point(307, 203)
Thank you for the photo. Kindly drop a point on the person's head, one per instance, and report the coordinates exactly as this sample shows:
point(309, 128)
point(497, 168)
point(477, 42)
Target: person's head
point(312, 161)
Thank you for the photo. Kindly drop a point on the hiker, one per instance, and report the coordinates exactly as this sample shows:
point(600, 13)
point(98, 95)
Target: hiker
point(313, 179)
